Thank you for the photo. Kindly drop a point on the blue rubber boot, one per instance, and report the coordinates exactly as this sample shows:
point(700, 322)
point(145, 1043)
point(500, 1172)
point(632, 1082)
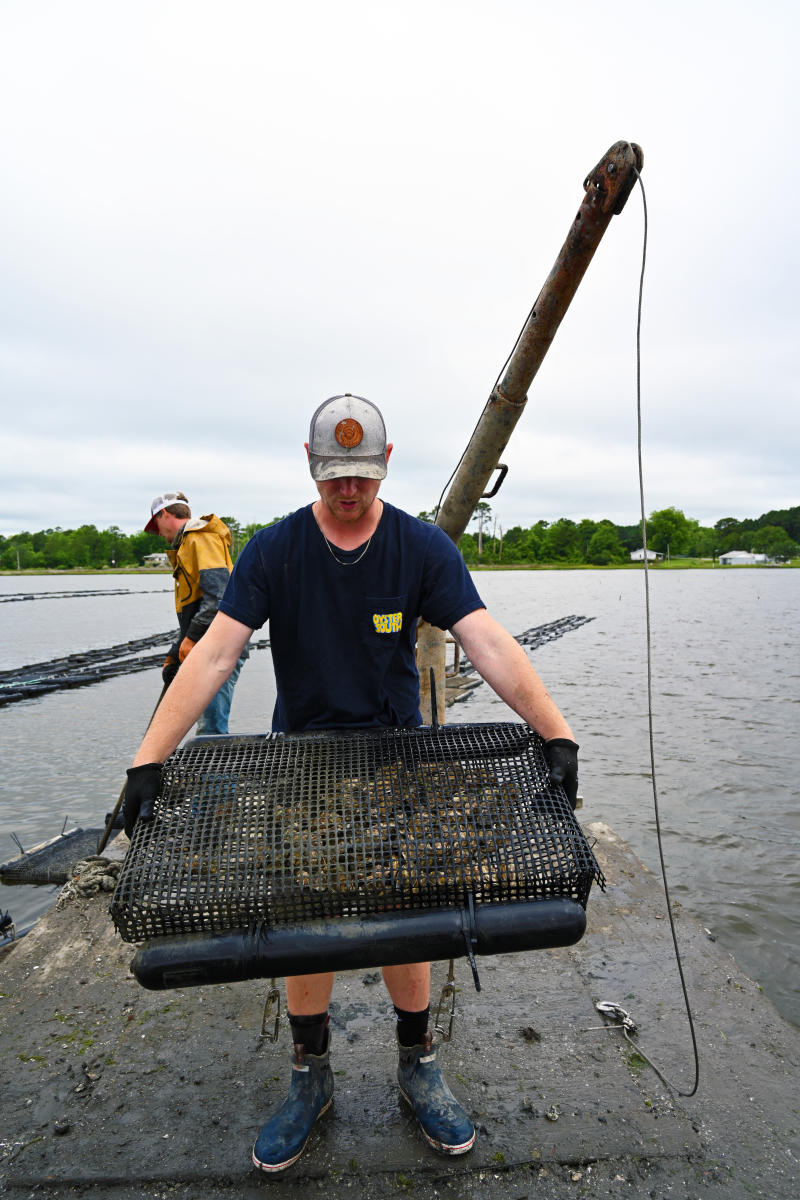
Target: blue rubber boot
point(282, 1140)
point(441, 1118)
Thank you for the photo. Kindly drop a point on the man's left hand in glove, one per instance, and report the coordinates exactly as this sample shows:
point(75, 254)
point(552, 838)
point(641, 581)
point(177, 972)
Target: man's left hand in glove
point(169, 669)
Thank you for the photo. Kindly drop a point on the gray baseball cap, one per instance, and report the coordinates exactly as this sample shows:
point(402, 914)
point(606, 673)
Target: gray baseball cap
point(347, 437)
point(161, 502)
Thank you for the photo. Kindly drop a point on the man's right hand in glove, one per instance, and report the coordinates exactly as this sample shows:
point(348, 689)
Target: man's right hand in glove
point(141, 792)
point(562, 759)
point(170, 669)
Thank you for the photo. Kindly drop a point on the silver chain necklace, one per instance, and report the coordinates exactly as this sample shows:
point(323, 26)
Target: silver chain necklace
point(341, 561)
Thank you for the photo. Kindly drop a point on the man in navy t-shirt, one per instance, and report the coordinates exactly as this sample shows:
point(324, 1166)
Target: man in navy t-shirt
point(343, 583)
point(343, 647)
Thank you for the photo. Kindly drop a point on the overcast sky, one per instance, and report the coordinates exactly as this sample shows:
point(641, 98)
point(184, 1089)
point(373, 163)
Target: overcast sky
point(216, 214)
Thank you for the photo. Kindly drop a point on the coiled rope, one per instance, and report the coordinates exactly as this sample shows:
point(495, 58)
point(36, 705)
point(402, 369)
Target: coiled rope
point(90, 876)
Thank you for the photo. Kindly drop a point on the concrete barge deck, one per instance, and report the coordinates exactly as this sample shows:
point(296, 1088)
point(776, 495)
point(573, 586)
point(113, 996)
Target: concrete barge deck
point(113, 1092)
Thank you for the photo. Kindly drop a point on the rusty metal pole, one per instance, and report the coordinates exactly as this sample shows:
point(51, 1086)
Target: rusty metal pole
point(606, 189)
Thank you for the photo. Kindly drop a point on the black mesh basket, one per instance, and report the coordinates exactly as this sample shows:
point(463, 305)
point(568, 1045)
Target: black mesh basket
point(330, 835)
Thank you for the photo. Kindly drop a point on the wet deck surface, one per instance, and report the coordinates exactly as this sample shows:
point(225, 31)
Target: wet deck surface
point(115, 1092)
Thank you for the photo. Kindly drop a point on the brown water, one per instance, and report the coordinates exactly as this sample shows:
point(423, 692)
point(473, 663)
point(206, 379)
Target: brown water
point(726, 690)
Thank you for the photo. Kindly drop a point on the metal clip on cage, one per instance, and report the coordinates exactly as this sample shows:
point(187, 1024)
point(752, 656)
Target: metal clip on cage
point(273, 1001)
point(447, 998)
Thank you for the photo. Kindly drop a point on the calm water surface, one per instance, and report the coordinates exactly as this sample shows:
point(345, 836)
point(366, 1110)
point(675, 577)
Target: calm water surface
point(726, 690)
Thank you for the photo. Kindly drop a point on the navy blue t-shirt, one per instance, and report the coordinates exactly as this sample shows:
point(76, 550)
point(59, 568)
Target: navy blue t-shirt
point(343, 636)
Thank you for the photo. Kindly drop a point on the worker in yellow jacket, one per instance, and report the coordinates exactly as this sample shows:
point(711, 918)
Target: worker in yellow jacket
point(199, 550)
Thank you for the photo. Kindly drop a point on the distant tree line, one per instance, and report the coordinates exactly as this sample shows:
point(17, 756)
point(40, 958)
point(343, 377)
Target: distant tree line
point(595, 543)
point(602, 543)
point(88, 547)
point(62, 549)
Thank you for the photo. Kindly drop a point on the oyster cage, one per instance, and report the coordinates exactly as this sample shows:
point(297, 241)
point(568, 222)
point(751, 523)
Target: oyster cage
point(280, 829)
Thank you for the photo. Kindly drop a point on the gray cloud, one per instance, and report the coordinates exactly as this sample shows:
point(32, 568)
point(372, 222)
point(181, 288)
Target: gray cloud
point(213, 218)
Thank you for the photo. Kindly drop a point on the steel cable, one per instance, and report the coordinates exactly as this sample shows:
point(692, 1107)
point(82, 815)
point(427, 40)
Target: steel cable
point(651, 737)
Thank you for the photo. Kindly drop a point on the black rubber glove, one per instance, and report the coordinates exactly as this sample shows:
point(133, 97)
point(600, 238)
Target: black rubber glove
point(562, 757)
point(141, 793)
point(170, 669)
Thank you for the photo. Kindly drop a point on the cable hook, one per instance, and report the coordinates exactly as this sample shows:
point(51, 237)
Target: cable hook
point(273, 1000)
point(448, 995)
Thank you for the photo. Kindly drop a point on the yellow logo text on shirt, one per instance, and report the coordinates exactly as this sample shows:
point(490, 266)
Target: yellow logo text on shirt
point(387, 622)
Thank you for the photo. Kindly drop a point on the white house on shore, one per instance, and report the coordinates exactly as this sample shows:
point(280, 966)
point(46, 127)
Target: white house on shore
point(741, 558)
point(159, 559)
point(652, 555)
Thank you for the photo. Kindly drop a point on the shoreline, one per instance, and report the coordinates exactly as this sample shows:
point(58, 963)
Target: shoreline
point(674, 565)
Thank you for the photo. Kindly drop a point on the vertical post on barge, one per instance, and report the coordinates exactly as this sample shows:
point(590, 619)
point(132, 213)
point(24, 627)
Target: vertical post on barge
point(606, 189)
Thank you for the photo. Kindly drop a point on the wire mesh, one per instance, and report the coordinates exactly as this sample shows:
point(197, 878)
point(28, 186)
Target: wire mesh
point(286, 828)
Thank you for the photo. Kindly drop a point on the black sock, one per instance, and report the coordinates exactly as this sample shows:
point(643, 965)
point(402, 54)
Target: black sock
point(412, 1026)
point(310, 1032)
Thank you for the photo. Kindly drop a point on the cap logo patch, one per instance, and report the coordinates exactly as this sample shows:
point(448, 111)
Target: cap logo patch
point(348, 433)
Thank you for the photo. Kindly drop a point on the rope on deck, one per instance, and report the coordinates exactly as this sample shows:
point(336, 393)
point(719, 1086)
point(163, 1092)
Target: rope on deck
point(90, 876)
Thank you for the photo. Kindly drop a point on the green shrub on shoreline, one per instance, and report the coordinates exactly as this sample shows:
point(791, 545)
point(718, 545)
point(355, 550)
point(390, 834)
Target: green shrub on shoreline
point(673, 565)
point(680, 541)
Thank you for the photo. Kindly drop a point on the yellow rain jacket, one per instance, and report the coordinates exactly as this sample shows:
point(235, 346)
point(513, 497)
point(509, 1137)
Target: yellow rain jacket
point(202, 563)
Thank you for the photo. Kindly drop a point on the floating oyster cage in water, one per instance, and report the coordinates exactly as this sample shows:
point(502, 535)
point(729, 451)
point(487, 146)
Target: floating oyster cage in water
point(53, 861)
point(283, 829)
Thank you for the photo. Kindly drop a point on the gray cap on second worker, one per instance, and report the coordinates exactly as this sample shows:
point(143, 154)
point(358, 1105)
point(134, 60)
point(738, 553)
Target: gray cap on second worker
point(347, 437)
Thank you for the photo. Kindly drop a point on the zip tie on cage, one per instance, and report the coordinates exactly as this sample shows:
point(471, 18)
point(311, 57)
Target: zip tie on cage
point(470, 937)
